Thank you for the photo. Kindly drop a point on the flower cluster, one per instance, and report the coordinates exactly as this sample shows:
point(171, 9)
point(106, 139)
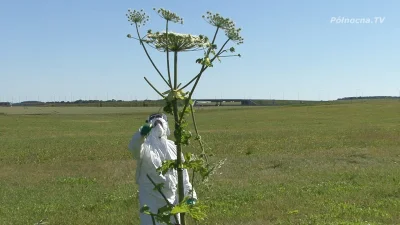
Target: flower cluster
point(137, 17)
point(176, 42)
point(168, 15)
point(225, 24)
point(218, 21)
point(234, 35)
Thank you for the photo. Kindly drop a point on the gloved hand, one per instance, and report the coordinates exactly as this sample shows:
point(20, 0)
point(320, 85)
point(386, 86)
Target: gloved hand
point(145, 130)
point(191, 201)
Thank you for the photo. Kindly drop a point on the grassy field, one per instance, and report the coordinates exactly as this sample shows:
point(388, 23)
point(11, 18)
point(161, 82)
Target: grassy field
point(324, 164)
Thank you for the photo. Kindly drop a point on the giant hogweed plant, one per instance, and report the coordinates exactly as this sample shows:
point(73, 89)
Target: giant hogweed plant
point(172, 44)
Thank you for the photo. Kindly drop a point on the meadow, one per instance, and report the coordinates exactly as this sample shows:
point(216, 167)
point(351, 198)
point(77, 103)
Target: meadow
point(321, 164)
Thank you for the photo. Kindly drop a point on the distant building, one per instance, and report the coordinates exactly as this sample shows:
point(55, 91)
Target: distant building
point(5, 104)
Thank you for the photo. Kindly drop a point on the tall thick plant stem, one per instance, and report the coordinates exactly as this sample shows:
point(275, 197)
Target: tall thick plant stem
point(148, 56)
point(175, 70)
point(178, 134)
point(169, 71)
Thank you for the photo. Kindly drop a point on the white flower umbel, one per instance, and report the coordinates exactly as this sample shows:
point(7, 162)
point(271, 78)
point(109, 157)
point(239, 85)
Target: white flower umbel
point(176, 42)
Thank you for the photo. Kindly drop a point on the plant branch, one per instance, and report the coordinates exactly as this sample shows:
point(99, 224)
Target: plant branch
point(222, 56)
point(178, 138)
point(178, 143)
point(148, 56)
point(212, 43)
point(154, 88)
point(162, 194)
point(138, 39)
point(221, 50)
point(203, 152)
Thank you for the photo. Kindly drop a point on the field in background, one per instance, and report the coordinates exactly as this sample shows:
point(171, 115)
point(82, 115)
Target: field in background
point(323, 164)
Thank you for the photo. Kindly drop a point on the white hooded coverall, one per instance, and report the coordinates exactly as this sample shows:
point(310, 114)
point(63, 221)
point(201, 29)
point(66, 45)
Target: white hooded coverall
point(150, 152)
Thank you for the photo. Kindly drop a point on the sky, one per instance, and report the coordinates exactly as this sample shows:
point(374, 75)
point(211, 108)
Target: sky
point(59, 50)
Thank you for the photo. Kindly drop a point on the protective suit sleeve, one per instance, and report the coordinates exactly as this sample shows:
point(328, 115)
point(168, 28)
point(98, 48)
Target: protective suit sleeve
point(135, 145)
point(187, 186)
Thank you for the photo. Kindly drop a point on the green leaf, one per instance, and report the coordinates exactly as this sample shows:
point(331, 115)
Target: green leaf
point(180, 94)
point(164, 219)
point(181, 208)
point(188, 156)
point(146, 210)
point(185, 136)
point(166, 166)
point(165, 210)
point(207, 62)
point(197, 212)
point(159, 186)
point(168, 108)
point(213, 52)
point(175, 95)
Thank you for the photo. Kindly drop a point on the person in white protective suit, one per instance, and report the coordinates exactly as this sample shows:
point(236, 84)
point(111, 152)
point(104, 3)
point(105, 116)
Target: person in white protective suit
point(150, 147)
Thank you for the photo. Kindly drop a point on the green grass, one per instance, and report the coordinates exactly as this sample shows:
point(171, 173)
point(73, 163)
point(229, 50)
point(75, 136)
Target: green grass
point(324, 164)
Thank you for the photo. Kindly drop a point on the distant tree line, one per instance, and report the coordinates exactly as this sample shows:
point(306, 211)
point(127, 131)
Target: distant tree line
point(369, 97)
point(94, 103)
point(160, 103)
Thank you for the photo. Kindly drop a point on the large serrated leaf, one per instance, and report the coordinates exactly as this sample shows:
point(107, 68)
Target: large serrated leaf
point(182, 208)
